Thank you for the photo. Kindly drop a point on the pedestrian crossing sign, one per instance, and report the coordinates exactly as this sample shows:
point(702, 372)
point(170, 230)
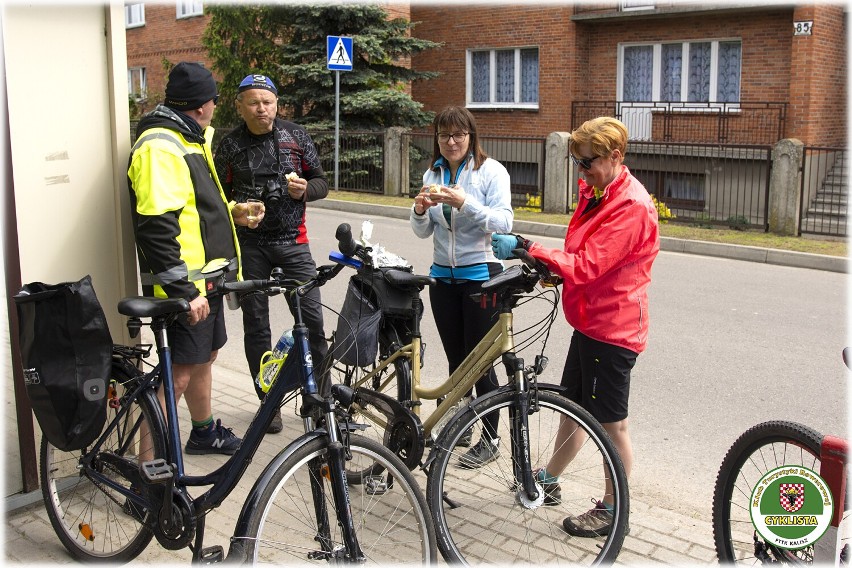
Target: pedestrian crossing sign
point(339, 53)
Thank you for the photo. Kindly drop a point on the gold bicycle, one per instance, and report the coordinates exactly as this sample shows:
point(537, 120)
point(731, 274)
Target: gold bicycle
point(500, 511)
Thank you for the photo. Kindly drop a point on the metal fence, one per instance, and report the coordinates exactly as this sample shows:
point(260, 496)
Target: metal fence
point(703, 123)
point(825, 190)
point(361, 158)
point(523, 158)
point(704, 184)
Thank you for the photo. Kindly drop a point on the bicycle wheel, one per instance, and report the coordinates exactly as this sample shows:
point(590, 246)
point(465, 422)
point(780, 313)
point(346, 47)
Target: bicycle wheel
point(392, 522)
point(760, 449)
point(394, 381)
point(90, 519)
point(482, 515)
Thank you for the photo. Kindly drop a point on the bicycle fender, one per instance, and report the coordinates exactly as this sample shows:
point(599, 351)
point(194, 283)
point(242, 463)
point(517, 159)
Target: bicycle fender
point(237, 550)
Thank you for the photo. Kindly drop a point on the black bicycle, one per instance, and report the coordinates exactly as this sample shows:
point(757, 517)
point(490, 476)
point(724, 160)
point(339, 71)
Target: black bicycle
point(109, 500)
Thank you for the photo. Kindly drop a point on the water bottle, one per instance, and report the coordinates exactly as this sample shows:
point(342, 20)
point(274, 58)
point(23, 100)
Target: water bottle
point(270, 363)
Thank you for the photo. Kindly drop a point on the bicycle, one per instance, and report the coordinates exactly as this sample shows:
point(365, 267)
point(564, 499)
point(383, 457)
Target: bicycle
point(495, 513)
point(108, 501)
point(756, 452)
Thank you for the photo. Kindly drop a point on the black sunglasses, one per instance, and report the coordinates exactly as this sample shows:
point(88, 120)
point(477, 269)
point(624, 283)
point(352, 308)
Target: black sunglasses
point(216, 100)
point(585, 163)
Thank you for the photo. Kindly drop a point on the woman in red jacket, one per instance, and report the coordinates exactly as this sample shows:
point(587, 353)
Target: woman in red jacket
point(611, 242)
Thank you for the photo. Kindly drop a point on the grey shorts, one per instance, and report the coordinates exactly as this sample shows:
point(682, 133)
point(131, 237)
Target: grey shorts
point(194, 344)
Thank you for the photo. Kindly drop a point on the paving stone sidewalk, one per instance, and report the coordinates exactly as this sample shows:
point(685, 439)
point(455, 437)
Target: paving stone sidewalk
point(657, 536)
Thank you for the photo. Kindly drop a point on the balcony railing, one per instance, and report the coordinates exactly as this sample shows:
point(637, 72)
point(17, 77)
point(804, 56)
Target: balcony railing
point(704, 123)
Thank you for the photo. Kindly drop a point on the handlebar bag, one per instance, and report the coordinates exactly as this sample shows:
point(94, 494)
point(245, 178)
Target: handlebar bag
point(356, 340)
point(66, 350)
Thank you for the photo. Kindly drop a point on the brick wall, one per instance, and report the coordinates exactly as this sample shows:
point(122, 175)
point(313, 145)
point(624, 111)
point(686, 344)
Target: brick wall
point(818, 77)
point(578, 60)
point(165, 36)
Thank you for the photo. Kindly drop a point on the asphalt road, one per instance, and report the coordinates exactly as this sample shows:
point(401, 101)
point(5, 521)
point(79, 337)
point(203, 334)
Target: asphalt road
point(732, 344)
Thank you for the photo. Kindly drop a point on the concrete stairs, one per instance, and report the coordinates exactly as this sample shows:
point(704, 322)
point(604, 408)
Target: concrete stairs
point(828, 210)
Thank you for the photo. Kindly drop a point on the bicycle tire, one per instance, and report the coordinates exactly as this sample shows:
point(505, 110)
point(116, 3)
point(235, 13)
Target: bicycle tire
point(759, 450)
point(399, 387)
point(484, 518)
point(89, 519)
point(392, 527)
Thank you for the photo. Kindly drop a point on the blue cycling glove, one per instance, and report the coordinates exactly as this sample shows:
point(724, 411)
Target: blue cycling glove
point(503, 245)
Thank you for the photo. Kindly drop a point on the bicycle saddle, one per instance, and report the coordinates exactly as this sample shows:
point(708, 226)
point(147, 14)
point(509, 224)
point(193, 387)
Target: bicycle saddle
point(405, 280)
point(145, 307)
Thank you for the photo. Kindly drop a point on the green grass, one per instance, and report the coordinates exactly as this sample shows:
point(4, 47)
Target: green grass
point(831, 247)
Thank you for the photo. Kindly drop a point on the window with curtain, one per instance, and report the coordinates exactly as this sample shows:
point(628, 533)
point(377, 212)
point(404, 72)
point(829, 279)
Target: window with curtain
point(137, 83)
point(134, 15)
point(188, 8)
point(503, 78)
point(684, 72)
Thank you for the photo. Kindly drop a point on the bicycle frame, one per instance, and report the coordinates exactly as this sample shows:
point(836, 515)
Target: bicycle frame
point(497, 341)
point(297, 370)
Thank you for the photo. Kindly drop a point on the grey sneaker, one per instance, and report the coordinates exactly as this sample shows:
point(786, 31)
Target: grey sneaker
point(550, 486)
point(276, 425)
point(485, 451)
point(595, 522)
point(220, 441)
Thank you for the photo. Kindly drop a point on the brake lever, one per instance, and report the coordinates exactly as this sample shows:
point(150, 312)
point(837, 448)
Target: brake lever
point(546, 277)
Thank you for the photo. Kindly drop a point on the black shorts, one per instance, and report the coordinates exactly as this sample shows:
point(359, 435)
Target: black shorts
point(194, 344)
point(597, 377)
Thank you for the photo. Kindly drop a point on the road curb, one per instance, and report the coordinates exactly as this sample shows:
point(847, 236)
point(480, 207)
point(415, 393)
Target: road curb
point(670, 244)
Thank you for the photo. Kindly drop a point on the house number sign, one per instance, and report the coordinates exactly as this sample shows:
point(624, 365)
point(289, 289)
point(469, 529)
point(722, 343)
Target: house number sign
point(804, 27)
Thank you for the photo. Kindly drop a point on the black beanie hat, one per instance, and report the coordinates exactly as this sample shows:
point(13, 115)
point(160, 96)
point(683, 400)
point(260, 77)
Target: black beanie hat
point(190, 85)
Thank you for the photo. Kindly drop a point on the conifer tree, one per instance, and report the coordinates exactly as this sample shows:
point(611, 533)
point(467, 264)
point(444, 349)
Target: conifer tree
point(288, 44)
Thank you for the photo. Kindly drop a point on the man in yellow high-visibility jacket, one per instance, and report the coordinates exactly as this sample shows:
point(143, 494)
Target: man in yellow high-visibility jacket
point(181, 222)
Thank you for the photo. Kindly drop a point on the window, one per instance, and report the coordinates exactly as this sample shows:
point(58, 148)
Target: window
point(503, 78)
point(137, 84)
point(134, 15)
point(682, 72)
point(627, 5)
point(675, 189)
point(188, 8)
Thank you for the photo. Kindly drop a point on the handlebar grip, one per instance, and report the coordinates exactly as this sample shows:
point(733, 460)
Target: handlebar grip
point(245, 286)
point(345, 242)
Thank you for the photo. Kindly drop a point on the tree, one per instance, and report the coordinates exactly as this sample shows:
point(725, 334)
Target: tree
point(288, 44)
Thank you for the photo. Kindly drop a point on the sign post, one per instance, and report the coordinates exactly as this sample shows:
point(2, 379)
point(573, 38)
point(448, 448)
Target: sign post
point(338, 58)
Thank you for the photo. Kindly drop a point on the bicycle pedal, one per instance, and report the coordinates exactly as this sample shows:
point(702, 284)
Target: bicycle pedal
point(211, 555)
point(375, 485)
point(156, 471)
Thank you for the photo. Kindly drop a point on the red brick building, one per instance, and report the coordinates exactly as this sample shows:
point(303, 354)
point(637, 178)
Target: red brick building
point(577, 61)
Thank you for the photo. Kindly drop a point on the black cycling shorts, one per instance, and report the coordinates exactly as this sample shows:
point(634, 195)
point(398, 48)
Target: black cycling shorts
point(597, 377)
point(194, 344)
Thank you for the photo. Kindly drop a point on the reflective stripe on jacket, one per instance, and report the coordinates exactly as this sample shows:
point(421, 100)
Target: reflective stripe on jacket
point(181, 218)
point(606, 263)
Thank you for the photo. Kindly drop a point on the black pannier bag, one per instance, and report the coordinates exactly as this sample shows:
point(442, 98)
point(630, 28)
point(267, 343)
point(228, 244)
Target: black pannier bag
point(356, 340)
point(66, 350)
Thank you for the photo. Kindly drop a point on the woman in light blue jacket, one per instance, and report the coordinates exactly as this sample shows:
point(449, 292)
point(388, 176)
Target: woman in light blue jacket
point(465, 197)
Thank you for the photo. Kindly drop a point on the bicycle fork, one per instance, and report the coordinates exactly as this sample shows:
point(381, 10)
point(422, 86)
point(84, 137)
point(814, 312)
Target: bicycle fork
point(528, 491)
point(333, 468)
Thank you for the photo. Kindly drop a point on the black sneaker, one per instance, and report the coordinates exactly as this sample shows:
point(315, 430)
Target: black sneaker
point(467, 439)
point(485, 451)
point(220, 441)
point(276, 425)
point(550, 486)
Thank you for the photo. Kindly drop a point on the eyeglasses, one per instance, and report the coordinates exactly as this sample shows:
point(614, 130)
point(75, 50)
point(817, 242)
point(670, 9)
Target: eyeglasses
point(216, 100)
point(458, 137)
point(585, 163)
